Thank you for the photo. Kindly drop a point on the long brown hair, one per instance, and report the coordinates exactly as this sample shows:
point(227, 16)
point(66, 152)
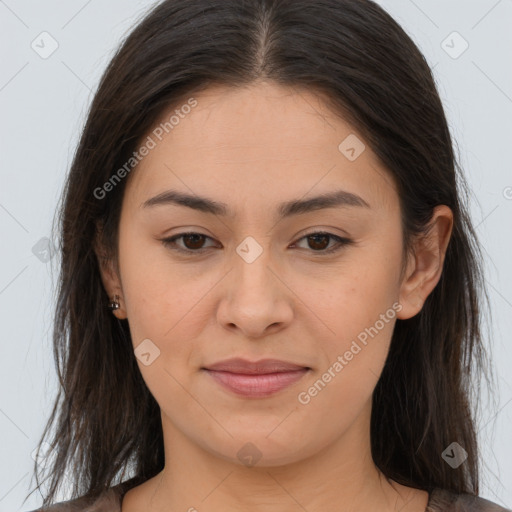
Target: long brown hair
point(105, 424)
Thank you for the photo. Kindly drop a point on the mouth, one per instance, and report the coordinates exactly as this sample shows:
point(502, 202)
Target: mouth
point(257, 379)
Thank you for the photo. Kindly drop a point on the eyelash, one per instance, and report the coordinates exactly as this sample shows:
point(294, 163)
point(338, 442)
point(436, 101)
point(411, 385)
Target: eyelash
point(341, 242)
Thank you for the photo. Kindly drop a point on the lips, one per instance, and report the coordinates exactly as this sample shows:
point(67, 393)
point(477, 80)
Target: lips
point(257, 379)
point(265, 366)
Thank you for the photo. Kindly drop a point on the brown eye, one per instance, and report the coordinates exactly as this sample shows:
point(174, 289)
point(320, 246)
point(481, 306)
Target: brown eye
point(193, 241)
point(190, 242)
point(318, 241)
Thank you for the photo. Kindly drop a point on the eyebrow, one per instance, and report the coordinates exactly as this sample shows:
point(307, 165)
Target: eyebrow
point(336, 199)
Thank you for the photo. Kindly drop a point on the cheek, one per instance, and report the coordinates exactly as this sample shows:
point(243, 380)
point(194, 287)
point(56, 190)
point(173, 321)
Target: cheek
point(359, 306)
point(167, 310)
point(354, 297)
point(156, 293)
point(353, 359)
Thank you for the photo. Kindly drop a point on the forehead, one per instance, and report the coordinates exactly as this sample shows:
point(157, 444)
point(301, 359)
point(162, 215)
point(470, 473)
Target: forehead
point(266, 139)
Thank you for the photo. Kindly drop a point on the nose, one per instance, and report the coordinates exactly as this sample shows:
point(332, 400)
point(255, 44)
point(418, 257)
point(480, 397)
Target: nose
point(255, 298)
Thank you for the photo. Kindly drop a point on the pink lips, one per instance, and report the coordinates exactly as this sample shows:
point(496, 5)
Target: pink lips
point(256, 379)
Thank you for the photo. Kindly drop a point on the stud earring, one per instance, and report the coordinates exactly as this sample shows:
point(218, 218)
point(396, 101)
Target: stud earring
point(114, 303)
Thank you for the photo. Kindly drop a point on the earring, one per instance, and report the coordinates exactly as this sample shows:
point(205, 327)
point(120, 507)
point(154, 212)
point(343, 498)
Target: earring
point(114, 303)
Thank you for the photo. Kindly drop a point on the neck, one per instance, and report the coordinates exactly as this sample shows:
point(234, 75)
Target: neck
point(342, 477)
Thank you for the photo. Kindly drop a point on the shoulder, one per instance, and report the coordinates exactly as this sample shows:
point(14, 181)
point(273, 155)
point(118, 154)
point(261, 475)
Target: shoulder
point(442, 500)
point(108, 501)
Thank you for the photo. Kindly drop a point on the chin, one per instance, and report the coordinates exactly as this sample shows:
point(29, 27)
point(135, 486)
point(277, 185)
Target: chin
point(258, 450)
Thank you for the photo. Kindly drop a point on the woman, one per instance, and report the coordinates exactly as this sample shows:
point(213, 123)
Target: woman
point(270, 290)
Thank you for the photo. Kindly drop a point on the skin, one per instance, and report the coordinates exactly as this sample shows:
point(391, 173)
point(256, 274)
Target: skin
point(253, 148)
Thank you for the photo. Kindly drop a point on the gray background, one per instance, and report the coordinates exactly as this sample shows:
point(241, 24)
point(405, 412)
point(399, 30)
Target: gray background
point(43, 103)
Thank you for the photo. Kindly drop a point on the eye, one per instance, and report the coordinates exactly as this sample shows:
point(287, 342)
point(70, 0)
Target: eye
point(317, 241)
point(193, 242)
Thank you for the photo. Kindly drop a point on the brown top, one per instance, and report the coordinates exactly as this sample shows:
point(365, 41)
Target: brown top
point(439, 501)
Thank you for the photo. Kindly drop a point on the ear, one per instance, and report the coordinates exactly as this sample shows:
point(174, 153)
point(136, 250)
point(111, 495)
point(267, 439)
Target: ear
point(425, 265)
point(109, 274)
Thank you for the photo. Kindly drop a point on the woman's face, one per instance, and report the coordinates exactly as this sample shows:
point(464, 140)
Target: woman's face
point(253, 283)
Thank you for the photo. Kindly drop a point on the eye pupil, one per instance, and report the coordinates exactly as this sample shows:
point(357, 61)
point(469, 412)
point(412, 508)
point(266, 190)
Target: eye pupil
point(318, 246)
point(197, 240)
